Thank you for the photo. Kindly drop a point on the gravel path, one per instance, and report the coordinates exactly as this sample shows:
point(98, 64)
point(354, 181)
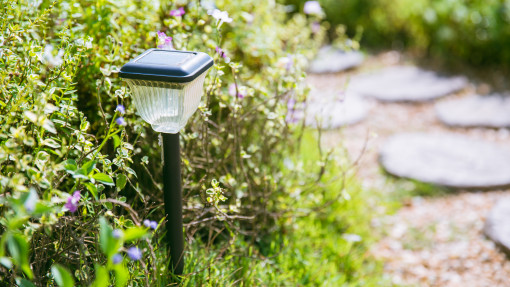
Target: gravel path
point(430, 241)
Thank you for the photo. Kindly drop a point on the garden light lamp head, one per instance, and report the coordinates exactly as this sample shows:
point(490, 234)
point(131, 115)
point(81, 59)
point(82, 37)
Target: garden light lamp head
point(166, 86)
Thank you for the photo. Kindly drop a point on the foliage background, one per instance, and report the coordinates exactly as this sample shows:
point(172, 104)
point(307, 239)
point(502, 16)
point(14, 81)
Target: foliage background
point(473, 31)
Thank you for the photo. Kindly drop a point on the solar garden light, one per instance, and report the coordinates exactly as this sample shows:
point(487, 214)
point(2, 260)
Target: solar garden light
point(166, 86)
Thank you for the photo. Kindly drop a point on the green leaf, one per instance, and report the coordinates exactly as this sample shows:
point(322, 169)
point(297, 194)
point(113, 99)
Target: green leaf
point(88, 167)
point(79, 175)
point(6, 261)
point(30, 116)
point(18, 248)
point(109, 245)
point(102, 277)
point(52, 91)
point(103, 178)
point(41, 208)
point(134, 233)
point(70, 165)
point(51, 143)
point(121, 181)
point(131, 171)
point(62, 277)
point(84, 126)
point(24, 282)
point(116, 141)
point(105, 235)
point(92, 189)
point(49, 126)
point(121, 275)
point(17, 222)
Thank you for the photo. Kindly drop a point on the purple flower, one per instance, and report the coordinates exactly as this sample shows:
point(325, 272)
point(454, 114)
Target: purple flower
point(117, 258)
point(120, 121)
point(117, 233)
point(291, 103)
point(177, 12)
point(294, 111)
point(162, 35)
point(72, 201)
point(219, 51)
point(294, 116)
point(232, 89)
point(134, 253)
point(121, 109)
point(312, 8)
point(290, 63)
point(232, 92)
point(150, 224)
point(316, 27)
point(222, 54)
point(31, 200)
point(164, 41)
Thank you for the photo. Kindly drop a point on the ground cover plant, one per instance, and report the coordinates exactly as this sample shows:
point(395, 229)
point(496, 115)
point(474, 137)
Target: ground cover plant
point(80, 172)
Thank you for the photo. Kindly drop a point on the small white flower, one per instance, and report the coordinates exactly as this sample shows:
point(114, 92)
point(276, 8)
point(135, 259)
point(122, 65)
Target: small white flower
point(352, 237)
point(286, 62)
point(313, 8)
point(52, 61)
point(208, 4)
point(87, 44)
point(220, 16)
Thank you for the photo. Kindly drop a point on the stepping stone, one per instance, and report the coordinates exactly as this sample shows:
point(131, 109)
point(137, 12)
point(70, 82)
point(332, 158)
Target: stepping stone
point(447, 160)
point(330, 60)
point(330, 109)
point(497, 226)
point(405, 83)
point(475, 111)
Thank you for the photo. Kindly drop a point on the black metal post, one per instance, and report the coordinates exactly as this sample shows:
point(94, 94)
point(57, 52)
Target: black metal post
point(173, 201)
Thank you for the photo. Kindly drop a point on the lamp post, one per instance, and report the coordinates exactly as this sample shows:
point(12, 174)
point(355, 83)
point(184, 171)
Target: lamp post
point(166, 86)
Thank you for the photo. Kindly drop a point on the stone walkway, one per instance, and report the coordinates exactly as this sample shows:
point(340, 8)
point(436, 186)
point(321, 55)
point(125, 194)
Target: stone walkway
point(430, 241)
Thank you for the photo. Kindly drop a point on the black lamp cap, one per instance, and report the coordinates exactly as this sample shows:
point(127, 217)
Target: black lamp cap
point(167, 66)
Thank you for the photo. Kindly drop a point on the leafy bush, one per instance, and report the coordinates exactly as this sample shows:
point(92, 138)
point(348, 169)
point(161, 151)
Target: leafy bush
point(80, 192)
point(474, 31)
point(323, 243)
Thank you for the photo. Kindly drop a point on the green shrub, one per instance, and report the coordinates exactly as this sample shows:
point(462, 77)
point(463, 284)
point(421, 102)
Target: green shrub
point(80, 192)
point(474, 31)
point(62, 147)
point(323, 243)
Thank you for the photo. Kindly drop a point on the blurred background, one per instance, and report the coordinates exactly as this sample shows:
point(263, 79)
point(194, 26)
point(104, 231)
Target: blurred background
point(460, 33)
point(409, 148)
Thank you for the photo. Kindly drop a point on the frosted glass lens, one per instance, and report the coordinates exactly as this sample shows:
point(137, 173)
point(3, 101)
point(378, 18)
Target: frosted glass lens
point(166, 106)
